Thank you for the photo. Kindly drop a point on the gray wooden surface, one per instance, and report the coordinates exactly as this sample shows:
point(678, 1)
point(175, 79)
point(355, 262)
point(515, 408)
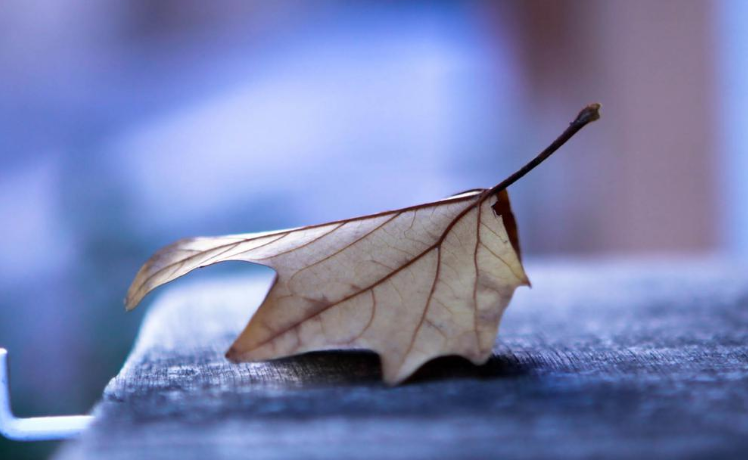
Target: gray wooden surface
point(600, 359)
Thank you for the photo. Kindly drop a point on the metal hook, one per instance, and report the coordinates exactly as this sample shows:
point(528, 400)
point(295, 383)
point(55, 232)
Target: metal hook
point(36, 428)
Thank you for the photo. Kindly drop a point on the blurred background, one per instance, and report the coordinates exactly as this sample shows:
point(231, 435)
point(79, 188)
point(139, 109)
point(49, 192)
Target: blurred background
point(127, 125)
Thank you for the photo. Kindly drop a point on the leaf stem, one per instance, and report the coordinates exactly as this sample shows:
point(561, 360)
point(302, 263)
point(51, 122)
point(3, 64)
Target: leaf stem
point(586, 116)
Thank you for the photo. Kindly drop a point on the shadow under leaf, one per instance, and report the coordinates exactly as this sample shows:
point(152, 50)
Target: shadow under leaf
point(340, 367)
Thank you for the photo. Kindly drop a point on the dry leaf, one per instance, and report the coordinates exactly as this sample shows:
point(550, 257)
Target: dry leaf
point(411, 284)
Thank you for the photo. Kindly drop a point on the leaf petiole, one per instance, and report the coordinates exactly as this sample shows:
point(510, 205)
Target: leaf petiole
point(586, 116)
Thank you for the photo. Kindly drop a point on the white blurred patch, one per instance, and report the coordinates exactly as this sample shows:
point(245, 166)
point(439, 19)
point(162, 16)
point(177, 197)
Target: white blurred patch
point(349, 122)
point(32, 238)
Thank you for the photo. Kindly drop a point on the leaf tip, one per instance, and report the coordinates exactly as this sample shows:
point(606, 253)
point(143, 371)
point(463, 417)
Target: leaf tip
point(131, 300)
point(393, 380)
point(233, 354)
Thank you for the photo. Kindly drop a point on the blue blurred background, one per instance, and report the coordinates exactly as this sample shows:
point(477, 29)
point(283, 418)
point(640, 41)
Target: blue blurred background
point(127, 125)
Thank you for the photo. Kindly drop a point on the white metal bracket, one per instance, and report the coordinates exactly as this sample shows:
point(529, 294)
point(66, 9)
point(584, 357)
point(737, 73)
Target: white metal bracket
point(36, 428)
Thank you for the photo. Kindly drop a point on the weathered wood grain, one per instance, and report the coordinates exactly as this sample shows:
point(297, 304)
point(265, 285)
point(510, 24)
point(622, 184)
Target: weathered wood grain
point(601, 359)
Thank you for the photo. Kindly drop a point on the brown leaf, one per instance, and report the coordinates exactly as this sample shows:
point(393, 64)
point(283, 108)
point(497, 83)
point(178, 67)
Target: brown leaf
point(410, 284)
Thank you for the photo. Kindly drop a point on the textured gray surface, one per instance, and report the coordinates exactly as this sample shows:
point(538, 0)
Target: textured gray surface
point(600, 359)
